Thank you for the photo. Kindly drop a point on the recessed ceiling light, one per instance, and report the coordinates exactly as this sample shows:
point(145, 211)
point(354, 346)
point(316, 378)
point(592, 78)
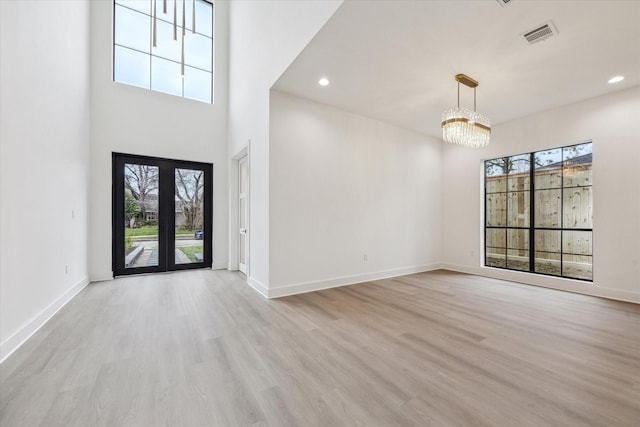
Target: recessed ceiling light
point(616, 79)
point(323, 82)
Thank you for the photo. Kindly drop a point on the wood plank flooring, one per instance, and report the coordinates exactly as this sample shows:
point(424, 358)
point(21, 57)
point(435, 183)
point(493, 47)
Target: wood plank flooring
point(201, 348)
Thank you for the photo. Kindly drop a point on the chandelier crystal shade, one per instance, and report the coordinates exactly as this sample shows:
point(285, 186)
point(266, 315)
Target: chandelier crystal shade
point(464, 126)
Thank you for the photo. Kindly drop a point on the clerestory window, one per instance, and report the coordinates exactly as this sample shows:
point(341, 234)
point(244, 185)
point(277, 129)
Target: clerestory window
point(165, 46)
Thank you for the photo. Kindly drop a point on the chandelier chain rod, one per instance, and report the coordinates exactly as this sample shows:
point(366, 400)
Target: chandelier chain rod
point(155, 24)
point(175, 20)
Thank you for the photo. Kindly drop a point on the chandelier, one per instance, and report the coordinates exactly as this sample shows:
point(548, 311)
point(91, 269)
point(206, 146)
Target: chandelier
point(463, 126)
point(175, 24)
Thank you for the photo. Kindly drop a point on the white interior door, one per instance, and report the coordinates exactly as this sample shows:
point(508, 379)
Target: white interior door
point(243, 240)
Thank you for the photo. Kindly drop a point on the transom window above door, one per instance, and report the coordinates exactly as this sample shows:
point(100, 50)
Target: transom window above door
point(165, 46)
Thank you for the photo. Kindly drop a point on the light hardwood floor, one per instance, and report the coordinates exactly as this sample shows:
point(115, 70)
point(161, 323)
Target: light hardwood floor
point(201, 348)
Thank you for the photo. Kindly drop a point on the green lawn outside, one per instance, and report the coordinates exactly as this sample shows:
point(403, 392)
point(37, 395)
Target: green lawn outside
point(141, 232)
point(185, 234)
point(191, 251)
point(152, 232)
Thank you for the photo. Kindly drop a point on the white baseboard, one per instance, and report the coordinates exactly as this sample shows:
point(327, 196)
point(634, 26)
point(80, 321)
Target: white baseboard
point(224, 265)
point(318, 285)
point(259, 287)
point(102, 277)
point(563, 284)
point(14, 342)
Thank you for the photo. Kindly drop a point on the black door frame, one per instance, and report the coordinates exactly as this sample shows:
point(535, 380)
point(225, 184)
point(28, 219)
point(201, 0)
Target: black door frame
point(166, 213)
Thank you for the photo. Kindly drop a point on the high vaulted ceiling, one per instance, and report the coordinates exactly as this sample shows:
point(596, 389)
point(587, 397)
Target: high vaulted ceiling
point(395, 61)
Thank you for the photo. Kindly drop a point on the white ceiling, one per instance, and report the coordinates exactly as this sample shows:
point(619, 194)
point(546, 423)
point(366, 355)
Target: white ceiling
point(396, 60)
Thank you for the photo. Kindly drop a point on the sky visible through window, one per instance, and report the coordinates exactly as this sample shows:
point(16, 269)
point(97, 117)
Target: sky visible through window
point(136, 62)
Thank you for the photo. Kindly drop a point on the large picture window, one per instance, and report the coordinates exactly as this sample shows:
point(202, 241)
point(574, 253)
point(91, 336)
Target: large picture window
point(539, 212)
point(151, 50)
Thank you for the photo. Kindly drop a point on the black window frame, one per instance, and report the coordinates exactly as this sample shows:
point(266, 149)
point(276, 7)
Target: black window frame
point(532, 228)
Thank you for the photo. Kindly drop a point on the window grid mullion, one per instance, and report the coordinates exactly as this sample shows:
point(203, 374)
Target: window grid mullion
point(150, 50)
point(561, 225)
point(506, 220)
point(532, 213)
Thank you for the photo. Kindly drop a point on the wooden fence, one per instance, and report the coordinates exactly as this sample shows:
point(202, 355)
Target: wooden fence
point(562, 200)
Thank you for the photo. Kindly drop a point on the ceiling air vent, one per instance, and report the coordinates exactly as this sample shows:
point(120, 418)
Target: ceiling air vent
point(540, 33)
point(503, 3)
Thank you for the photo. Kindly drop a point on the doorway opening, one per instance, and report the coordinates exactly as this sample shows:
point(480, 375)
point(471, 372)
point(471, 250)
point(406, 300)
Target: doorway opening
point(162, 214)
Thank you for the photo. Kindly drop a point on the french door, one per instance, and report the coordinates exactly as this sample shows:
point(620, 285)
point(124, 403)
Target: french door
point(161, 214)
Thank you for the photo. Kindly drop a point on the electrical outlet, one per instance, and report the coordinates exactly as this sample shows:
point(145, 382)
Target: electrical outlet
point(365, 257)
point(73, 214)
point(472, 253)
point(66, 269)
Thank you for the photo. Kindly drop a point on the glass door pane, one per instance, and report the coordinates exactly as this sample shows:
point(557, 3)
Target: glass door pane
point(141, 215)
point(189, 216)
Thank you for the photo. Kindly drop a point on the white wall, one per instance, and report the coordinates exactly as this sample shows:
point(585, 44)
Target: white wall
point(610, 122)
point(44, 149)
point(342, 186)
point(132, 120)
point(265, 37)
